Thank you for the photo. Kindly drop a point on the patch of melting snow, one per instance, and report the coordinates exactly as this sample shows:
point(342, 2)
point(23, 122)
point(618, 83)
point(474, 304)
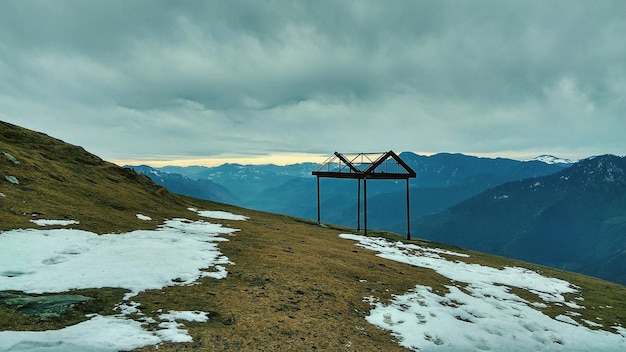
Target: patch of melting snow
point(58, 260)
point(222, 215)
point(143, 217)
point(100, 333)
point(12, 179)
point(11, 158)
point(481, 313)
point(194, 315)
point(592, 324)
point(47, 222)
point(170, 331)
point(566, 319)
point(539, 305)
point(170, 327)
point(620, 330)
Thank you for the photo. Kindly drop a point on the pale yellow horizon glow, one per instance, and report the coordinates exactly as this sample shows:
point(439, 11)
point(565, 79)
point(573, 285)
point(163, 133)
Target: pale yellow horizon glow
point(294, 158)
point(276, 159)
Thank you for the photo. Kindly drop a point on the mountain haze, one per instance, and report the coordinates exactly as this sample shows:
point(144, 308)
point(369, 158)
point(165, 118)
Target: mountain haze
point(180, 184)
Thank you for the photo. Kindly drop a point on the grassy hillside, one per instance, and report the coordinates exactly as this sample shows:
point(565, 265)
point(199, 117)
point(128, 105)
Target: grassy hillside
point(58, 180)
point(294, 285)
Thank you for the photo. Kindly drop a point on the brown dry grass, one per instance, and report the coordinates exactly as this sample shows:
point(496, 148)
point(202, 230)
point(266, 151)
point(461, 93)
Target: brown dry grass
point(295, 286)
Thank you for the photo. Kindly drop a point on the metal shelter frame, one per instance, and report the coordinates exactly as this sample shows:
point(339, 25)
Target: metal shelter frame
point(364, 166)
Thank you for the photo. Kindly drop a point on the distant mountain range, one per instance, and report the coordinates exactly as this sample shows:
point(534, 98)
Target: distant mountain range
point(574, 219)
point(180, 184)
point(443, 180)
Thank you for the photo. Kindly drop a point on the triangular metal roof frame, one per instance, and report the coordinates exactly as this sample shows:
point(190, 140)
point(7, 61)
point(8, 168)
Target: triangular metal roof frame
point(364, 166)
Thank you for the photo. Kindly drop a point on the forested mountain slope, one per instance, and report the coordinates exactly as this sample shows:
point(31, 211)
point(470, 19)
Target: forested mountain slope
point(574, 219)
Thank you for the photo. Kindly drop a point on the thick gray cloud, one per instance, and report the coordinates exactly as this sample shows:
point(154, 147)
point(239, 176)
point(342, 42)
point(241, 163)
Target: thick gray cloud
point(162, 79)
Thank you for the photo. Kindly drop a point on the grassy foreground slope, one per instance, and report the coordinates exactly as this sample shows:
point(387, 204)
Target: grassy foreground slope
point(58, 180)
point(294, 285)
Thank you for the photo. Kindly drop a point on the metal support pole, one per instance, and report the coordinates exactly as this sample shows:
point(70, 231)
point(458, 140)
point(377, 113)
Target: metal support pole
point(358, 206)
point(318, 200)
point(408, 212)
point(365, 206)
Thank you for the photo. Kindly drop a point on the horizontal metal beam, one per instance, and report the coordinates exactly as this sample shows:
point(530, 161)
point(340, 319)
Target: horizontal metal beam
point(360, 175)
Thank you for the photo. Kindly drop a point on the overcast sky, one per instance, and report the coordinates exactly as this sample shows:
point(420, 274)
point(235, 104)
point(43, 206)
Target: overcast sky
point(173, 80)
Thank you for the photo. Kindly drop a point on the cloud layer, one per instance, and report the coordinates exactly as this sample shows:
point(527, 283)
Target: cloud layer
point(161, 79)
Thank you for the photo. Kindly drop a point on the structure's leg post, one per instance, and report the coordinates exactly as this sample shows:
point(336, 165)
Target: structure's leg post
point(318, 200)
point(358, 206)
point(365, 206)
point(408, 212)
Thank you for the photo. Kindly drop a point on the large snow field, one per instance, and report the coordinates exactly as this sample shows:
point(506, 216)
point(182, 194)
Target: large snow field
point(57, 260)
point(481, 314)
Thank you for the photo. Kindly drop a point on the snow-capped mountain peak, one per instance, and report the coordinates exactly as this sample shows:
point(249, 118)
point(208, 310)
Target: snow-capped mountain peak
point(550, 159)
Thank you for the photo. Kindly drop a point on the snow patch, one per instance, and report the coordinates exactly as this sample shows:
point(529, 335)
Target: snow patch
point(98, 334)
point(62, 259)
point(169, 331)
point(222, 215)
point(592, 324)
point(143, 217)
point(194, 315)
point(566, 319)
point(482, 313)
point(58, 260)
point(46, 222)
